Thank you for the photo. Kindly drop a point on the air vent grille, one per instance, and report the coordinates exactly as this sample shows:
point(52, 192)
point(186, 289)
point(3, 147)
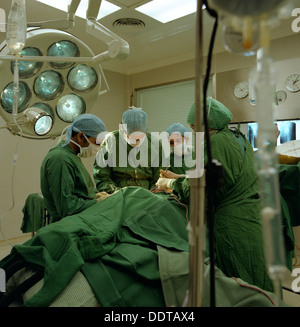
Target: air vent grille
point(130, 24)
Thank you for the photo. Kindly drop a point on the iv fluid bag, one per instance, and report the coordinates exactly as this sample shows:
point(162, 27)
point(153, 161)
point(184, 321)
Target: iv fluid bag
point(16, 27)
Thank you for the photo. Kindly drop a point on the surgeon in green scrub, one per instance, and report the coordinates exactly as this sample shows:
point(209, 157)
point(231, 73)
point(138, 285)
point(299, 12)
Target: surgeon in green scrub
point(129, 156)
point(66, 185)
point(181, 152)
point(238, 228)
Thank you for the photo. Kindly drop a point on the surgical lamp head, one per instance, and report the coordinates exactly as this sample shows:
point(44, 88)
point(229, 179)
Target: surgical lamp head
point(64, 89)
point(38, 120)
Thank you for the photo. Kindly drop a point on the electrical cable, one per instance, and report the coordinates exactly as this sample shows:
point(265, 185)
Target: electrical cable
point(175, 197)
point(210, 168)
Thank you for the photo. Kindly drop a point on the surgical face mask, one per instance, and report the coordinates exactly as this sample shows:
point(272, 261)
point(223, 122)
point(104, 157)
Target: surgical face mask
point(136, 142)
point(131, 141)
point(180, 149)
point(87, 151)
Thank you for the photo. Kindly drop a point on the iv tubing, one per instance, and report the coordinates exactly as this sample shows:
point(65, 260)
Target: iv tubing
point(267, 171)
point(16, 88)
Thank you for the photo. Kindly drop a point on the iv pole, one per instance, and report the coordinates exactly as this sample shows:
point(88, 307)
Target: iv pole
point(197, 233)
point(197, 241)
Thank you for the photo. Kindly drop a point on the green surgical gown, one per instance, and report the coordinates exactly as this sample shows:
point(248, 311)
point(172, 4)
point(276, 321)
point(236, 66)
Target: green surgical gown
point(66, 185)
point(180, 165)
point(238, 229)
point(116, 169)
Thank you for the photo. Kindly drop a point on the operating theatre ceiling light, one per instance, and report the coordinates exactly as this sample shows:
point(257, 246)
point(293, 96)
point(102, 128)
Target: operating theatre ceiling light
point(59, 77)
point(63, 89)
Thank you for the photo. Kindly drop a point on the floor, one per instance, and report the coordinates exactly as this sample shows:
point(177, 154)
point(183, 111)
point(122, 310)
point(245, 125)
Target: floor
point(289, 297)
point(5, 248)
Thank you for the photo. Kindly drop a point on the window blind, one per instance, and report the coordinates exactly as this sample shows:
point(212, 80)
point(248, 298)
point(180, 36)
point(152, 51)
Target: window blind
point(168, 104)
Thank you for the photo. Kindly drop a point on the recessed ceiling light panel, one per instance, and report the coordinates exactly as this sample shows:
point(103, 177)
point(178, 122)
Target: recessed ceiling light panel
point(106, 8)
point(168, 10)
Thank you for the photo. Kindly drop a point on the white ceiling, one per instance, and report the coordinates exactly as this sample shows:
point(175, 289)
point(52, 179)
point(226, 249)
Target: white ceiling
point(153, 46)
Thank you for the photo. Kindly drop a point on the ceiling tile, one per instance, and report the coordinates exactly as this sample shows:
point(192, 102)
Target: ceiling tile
point(129, 3)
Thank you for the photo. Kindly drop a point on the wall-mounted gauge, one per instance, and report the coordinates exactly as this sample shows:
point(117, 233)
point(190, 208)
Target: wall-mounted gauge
point(281, 96)
point(293, 82)
point(241, 90)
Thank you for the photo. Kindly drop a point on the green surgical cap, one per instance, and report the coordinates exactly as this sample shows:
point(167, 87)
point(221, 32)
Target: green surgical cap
point(88, 124)
point(219, 116)
point(136, 120)
point(177, 128)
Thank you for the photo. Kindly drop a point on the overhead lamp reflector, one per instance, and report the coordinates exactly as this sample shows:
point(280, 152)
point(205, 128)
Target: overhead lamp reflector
point(69, 107)
point(43, 125)
point(168, 10)
point(82, 78)
point(45, 107)
point(106, 8)
point(48, 85)
point(63, 48)
point(24, 95)
point(39, 120)
point(28, 68)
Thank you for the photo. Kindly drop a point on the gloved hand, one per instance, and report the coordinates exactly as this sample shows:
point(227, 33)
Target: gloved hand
point(102, 196)
point(165, 183)
point(169, 174)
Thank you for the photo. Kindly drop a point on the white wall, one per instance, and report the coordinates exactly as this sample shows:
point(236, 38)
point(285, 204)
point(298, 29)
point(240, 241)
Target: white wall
point(229, 69)
point(286, 60)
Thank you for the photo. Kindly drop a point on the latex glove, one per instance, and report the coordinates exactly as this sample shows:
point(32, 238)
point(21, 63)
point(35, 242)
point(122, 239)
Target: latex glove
point(102, 196)
point(169, 174)
point(165, 183)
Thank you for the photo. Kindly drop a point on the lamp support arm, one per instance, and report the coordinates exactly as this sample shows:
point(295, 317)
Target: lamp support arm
point(93, 9)
point(117, 47)
point(60, 23)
